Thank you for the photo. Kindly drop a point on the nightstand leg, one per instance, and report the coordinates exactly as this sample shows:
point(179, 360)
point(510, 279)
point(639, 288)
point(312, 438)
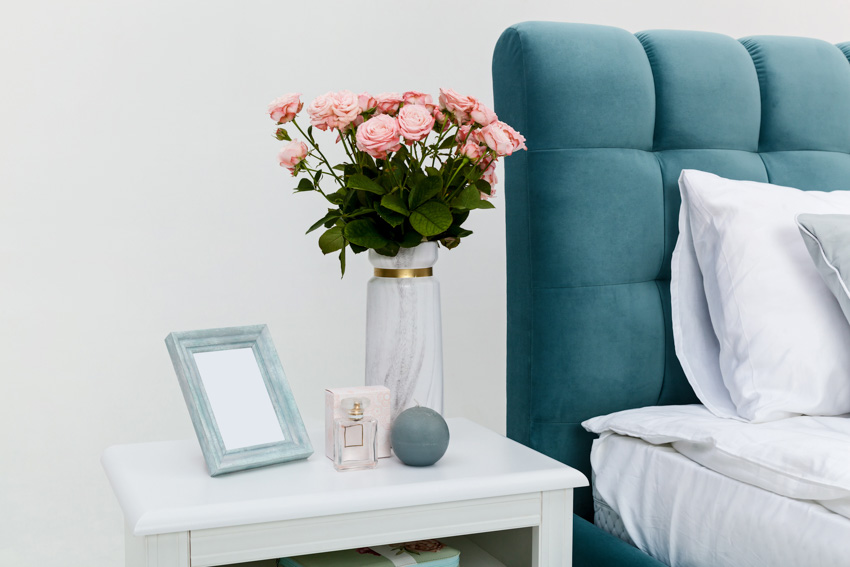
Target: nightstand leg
point(552, 540)
point(164, 550)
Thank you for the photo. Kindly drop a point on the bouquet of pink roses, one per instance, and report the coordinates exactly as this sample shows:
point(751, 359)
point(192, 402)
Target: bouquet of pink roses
point(415, 169)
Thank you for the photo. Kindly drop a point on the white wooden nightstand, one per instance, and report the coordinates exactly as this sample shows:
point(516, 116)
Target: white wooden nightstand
point(176, 515)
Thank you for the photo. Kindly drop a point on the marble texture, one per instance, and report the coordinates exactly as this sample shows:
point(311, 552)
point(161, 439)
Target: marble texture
point(404, 344)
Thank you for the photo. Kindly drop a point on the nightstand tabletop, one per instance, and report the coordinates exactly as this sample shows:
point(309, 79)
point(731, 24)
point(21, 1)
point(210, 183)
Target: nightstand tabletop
point(164, 487)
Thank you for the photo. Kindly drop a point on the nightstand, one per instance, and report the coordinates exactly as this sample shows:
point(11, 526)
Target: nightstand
point(498, 501)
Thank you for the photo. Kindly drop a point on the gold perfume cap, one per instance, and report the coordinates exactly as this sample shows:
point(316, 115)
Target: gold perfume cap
point(355, 407)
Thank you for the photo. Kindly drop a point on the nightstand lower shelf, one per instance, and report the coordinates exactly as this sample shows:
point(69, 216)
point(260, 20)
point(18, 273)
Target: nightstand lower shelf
point(471, 555)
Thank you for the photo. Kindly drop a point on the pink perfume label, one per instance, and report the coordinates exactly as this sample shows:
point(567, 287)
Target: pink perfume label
point(354, 436)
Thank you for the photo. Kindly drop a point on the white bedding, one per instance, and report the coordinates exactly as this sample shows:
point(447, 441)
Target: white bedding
point(799, 457)
point(687, 515)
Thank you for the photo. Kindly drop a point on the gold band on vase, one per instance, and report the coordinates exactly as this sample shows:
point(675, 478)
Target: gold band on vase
point(404, 273)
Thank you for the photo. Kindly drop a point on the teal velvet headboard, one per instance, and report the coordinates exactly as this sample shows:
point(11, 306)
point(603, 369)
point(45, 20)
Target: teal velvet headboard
point(610, 120)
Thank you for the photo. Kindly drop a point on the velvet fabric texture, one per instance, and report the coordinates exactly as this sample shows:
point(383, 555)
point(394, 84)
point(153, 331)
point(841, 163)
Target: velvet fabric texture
point(593, 547)
point(611, 119)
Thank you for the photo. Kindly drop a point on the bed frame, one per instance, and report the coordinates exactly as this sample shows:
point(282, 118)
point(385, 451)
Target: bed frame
point(611, 118)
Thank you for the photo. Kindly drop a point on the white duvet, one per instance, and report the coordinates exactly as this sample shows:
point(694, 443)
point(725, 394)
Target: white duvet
point(687, 515)
point(806, 458)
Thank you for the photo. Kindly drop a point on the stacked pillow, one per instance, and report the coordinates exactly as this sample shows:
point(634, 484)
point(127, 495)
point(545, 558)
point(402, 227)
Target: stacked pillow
point(828, 239)
point(759, 331)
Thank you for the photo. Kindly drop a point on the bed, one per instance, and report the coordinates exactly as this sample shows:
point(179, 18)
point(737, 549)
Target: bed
point(611, 119)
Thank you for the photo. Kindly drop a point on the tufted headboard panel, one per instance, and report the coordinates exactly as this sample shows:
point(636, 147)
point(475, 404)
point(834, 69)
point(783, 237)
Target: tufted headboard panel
point(611, 119)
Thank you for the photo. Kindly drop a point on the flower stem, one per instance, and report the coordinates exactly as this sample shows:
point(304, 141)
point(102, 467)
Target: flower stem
point(319, 189)
point(316, 147)
point(463, 163)
point(342, 137)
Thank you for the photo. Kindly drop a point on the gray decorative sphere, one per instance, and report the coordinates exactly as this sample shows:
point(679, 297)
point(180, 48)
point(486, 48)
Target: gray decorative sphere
point(420, 437)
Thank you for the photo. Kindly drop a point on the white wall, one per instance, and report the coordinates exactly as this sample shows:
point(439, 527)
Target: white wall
point(139, 194)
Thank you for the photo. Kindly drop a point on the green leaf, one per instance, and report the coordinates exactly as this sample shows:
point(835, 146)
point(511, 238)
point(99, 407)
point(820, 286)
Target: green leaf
point(450, 242)
point(425, 189)
point(393, 218)
point(360, 212)
point(482, 204)
point(460, 217)
point(357, 249)
point(340, 167)
point(331, 240)
point(433, 171)
point(317, 177)
point(305, 185)
point(349, 202)
point(337, 197)
point(391, 249)
point(431, 218)
point(342, 262)
point(387, 182)
point(401, 155)
point(447, 143)
point(394, 202)
point(483, 186)
point(467, 199)
point(363, 232)
point(360, 181)
point(411, 239)
point(332, 214)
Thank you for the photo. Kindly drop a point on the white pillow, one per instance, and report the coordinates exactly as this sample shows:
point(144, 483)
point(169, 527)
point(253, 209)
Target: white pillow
point(693, 336)
point(784, 345)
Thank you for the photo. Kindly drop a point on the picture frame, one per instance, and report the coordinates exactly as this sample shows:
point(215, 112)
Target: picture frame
point(238, 397)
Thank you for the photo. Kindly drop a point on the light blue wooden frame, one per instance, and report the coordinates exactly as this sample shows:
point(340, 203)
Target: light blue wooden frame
point(183, 345)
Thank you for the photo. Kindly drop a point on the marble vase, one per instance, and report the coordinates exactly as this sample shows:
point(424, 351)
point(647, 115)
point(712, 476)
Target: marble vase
point(404, 340)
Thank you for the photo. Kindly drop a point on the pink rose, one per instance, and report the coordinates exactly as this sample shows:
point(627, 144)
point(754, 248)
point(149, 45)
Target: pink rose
point(283, 109)
point(415, 122)
point(517, 138)
point(489, 176)
point(458, 105)
point(471, 150)
point(482, 115)
point(501, 138)
point(439, 116)
point(378, 135)
point(292, 154)
point(321, 111)
point(366, 102)
point(415, 97)
point(388, 103)
point(463, 133)
point(345, 108)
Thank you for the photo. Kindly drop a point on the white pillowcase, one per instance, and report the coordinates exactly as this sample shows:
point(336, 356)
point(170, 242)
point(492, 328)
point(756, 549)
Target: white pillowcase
point(780, 344)
point(693, 336)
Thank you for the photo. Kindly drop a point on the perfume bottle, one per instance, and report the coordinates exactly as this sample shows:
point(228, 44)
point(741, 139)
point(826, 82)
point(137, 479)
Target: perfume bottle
point(355, 437)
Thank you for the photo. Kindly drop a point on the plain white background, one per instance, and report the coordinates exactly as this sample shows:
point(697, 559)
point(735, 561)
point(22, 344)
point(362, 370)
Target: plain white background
point(139, 194)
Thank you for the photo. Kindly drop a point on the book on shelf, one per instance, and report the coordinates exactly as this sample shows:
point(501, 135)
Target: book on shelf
point(430, 552)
